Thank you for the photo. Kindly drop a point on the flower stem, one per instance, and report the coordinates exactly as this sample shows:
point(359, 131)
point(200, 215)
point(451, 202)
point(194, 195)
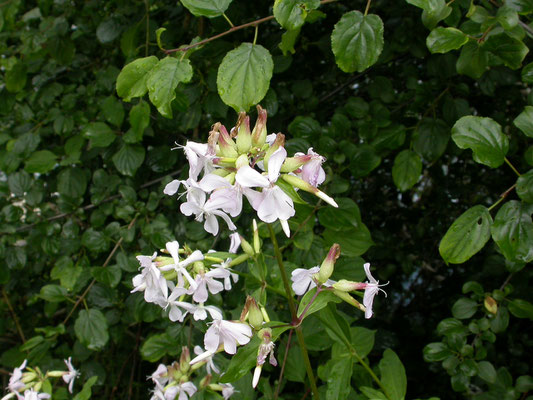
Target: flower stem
point(512, 166)
point(292, 308)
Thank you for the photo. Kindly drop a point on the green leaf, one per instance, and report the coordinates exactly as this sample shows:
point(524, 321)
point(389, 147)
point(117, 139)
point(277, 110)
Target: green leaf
point(524, 383)
point(113, 111)
point(206, 8)
point(434, 11)
point(15, 78)
point(244, 76)
point(521, 308)
point(156, 347)
point(100, 134)
point(353, 242)
point(158, 34)
point(521, 6)
point(71, 182)
point(291, 14)
point(53, 293)
point(288, 40)
point(346, 217)
point(336, 326)
point(163, 80)
point(357, 41)
point(406, 169)
point(86, 393)
point(91, 329)
point(95, 241)
point(242, 362)
point(464, 308)
point(513, 231)
point(524, 121)
point(362, 340)
point(437, 351)
point(524, 186)
point(41, 161)
point(486, 371)
point(19, 182)
point(527, 73)
point(108, 275)
point(473, 60)
point(507, 17)
point(321, 301)
point(139, 118)
point(467, 235)
point(128, 159)
point(484, 136)
point(108, 30)
point(443, 40)
point(364, 160)
point(131, 82)
point(372, 393)
point(393, 375)
point(431, 138)
point(339, 376)
point(510, 50)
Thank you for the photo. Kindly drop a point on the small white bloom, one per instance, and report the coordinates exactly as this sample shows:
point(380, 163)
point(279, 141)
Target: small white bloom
point(160, 377)
point(151, 281)
point(70, 375)
point(372, 288)
point(183, 391)
point(207, 281)
point(302, 279)
point(181, 266)
point(227, 390)
point(227, 333)
point(15, 384)
point(33, 395)
point(210, 365)
point(312, 171)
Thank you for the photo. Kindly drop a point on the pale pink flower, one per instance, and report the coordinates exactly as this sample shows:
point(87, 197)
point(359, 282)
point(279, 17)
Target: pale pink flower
point(227, 333)
point(70, 375)
point(210, 365)
point(183, 391)
point(372, 289)
point(15, 384)
point(312, 171)
point(206, 281)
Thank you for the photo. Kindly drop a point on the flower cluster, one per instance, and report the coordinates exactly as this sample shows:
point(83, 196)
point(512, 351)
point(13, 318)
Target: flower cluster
point(166, 281)
point(304, 280)
point(250, 163)
point(174, 381)
point(25, 385)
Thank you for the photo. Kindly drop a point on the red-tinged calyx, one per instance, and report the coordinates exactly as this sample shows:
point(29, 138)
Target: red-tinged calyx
point(326, 269)
point(279, 142)
point(348, 286)
point(291, 164)
point(227, 146)
point(259, 132)
point(305, 186)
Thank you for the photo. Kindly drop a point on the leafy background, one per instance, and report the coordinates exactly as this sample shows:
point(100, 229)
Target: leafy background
point(83, 171)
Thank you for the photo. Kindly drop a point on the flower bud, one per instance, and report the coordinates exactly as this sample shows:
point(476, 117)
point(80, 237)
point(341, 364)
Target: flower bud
point(246, 247)
point(301, 184)
point(257, 375)
point(205, 381)
point(326, 269)
point(255, 316)
point(257, 242)
point(230, 178)
point(244, 136)
point(239, 260)
point(259, 133)
point(349, 299)
point(293, 163)
point(491, 305)
point(216, 387)
point(348, 286)
point(198, 267)
point(53, 374)
point(185, 359)
point(225, 142)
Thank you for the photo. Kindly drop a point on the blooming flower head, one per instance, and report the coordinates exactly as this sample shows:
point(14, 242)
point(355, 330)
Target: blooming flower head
point(181, 391)
point(372, 288)
point(33, 395)
point(228, 334)
point(70, 375)
point(15, 384)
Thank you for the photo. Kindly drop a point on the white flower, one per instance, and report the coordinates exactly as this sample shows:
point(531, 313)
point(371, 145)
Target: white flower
point(312, 171)
point(33, 395)
point(227, 390)
point(160, 377)
point(302, 279)
point(15, 384)
point(200, 157)
point(151, 281)
point(227, 333)
point(223, 192)
point(198, 205)
point(372, 288)
point(70, 375)
point(205, 281)
point(210, 365)
point(272, 203)
point(183, 391)
point(235, 242)
point(180, 266)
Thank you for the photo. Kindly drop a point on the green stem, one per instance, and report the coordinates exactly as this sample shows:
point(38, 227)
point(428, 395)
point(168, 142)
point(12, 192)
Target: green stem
point(512, 166)
point(255, 34)
point(369, 370)
point(498, 202)
point(292, 308)
point(367, 6)
point(227, 19)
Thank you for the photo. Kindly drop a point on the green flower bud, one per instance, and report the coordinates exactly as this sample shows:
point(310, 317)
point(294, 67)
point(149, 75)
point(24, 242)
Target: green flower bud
point(259, 133)
point(326, 269)
point(244, 136)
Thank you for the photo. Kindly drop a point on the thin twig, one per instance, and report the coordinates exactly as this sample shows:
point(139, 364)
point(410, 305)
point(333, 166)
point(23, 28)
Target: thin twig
point(13, 315)
point(107, 261)
point(231, 30)
point(526, 27)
